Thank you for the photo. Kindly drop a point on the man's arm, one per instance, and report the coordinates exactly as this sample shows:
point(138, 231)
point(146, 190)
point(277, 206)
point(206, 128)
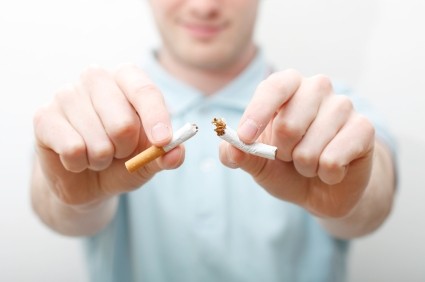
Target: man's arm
point(66, 219)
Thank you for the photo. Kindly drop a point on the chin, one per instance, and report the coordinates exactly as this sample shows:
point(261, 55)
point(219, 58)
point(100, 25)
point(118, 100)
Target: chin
point(210, 58)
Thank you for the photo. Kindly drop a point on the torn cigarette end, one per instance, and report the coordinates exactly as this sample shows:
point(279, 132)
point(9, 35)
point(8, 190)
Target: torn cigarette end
point(220, 126)
point(228, 134)
point(154, 152)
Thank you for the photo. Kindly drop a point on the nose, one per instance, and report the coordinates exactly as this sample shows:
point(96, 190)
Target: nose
point(204, 8)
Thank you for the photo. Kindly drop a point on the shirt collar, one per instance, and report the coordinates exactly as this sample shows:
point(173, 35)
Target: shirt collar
point(181, 97)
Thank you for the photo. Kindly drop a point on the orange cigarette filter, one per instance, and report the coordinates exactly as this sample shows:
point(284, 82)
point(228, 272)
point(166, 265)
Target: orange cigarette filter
point(154, 152)
point(144, 158)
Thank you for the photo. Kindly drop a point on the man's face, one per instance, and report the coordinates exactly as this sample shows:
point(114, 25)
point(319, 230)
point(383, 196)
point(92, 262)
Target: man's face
point(205, 33)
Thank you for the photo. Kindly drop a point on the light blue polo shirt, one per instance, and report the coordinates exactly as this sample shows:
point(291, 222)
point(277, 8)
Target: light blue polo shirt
point(204, 222)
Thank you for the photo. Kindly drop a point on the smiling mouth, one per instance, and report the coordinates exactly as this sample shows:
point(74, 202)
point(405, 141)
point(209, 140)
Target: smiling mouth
point(203, 31)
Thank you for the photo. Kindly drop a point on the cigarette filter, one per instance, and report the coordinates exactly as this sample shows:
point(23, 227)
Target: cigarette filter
point(228, 134)
point(154, 152)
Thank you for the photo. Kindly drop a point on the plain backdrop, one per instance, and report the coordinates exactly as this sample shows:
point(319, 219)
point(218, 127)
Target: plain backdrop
point(376, 46)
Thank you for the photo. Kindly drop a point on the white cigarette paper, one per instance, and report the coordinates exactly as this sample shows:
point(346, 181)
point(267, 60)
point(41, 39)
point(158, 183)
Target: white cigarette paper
point(228, 134)
point(181, 135)
point(154, 152)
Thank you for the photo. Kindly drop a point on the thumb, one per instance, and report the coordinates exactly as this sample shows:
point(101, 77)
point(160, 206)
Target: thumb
point(232, 157)
point(118, 179)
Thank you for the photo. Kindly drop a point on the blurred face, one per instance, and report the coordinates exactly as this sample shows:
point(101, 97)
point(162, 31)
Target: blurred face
point(205, 33)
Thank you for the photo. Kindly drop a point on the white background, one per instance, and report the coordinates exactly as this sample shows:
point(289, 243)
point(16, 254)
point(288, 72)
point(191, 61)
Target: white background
point(377, 46)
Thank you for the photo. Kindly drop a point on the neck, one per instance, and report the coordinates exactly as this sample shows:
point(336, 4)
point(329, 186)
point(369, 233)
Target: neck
point(206, 79)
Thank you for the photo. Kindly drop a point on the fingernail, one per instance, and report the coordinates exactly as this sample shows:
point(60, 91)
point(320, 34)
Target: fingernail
point(248, 130)
point(160, 132)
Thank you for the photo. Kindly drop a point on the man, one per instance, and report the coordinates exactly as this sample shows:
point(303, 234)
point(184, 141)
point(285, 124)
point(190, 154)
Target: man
point(185, 216)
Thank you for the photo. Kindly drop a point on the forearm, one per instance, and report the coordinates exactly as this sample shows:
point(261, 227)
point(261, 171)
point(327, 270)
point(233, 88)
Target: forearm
point(65, 219)
point(375, 204)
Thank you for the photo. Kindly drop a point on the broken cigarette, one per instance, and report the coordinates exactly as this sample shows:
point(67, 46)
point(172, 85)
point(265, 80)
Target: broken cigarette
point(228, 134)
point(154, 152)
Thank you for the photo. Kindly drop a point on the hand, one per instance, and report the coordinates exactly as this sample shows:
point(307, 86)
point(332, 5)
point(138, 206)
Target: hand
point(325, 148)
point(91, 128)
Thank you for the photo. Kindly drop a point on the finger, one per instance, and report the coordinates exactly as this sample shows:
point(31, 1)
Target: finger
point(294, 119)
point(76, 105)
point(270, 95)
point(333, 114)
point(277, 177)
point(353, 142)
point(229, 155)
point(148, 101)
point(232, 157)
point(117, 170)
point(118, 117)
point(54, 133)
point(172, 159)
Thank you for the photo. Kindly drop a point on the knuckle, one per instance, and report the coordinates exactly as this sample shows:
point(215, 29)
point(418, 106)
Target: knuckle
point(91, 72)
point(278, 80)
point(343, 103)
point(329, 163)
point(304, 157)
point(289, 128)
point(365, 134)
point(102, 153)
point(100, 156)
point(321, 83)
point(39, 117)
point(124, 128)
point(367, 127)
point(292, 75)
point(72, 151)
point(289, 74)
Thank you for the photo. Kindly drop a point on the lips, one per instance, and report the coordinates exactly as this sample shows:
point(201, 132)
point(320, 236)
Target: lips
point(203, 31)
